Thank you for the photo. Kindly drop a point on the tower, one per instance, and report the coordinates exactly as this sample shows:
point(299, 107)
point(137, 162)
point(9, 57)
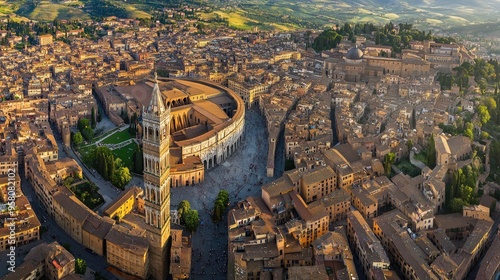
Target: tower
point(156, 141)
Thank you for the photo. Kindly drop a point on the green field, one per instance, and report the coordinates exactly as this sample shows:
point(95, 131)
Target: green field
point(6, 8)
point(117, 137)
point(239, 19)
point(48, 11)
point(126, 154)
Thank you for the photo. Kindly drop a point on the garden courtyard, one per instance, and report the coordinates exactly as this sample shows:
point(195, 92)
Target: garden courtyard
point(119, 141)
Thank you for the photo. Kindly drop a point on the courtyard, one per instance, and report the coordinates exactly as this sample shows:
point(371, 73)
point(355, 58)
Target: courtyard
point(118, 140)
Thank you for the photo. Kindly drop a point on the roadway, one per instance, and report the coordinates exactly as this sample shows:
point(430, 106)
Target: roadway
point(56, 233)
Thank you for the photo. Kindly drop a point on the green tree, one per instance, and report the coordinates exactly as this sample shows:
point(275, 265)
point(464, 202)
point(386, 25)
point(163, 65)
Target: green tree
point(409, 145)
point(77, 139)
point(485, 135)
point(83, 123)
point(220, 204)
point(388, 161)
point(88, 133)
point(93, 120)
point(80, 266)
point(137, 164)
point(466, 193)
point(110, 166)
point(483, 113)
point(469, 133)
point(104, 162)
point(192, 220)
point(99, 115)
point(328, 39)
point(218, 210)
point(224, 196)
point(121, 175)
point(490, 103)
point(431, 154)
point(457, 205)
point(183, 207)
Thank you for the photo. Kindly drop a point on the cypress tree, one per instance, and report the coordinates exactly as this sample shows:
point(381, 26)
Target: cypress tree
point(93, 118)
point(111, 166)
point(104, 169)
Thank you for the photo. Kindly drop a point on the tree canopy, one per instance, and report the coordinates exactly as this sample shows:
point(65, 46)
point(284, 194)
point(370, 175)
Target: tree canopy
point(80, 266)
point(388, 161)
point(328, 39)
point(191, 220)
point(220, 204)
point(77, 138)
point(183, 208)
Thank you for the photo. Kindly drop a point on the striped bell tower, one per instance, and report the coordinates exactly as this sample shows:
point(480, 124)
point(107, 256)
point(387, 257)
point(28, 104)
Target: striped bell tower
point(156, 141)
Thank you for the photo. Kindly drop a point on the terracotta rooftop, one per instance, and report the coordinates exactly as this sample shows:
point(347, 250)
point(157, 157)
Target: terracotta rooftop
point(128, 240)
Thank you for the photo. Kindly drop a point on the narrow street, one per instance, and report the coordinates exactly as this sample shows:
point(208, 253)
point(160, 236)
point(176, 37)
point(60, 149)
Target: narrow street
point(56, 233)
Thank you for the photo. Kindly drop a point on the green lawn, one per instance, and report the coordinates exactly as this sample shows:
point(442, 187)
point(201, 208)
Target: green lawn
point(117, 137)
point(422, 156)
point(407, 168)
point(126, 154)
point(86, 150)
point(102, 135)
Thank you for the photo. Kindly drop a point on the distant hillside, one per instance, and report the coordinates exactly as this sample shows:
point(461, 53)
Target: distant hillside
point(48, 10)
point(441, 14)
point(276, 14)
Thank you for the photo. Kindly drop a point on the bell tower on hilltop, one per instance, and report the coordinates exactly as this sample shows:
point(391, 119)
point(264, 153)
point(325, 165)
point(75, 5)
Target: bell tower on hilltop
point(156, 141)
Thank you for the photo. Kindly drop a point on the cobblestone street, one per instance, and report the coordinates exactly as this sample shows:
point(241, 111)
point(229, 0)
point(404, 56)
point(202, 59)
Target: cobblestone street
point(241, 175)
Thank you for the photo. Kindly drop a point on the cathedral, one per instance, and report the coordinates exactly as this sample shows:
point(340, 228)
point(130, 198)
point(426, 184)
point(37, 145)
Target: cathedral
point(357, 67)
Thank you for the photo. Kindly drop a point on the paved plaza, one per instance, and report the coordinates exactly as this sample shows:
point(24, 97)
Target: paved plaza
point(241, 175)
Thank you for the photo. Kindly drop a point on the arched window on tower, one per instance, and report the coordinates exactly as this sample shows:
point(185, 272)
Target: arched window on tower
point(153, 195)
point(150, 134)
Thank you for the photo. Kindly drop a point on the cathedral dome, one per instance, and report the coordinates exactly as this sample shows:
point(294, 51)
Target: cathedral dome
point(354, 54)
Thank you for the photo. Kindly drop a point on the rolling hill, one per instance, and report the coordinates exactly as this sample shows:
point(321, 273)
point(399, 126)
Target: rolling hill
point(276, 14)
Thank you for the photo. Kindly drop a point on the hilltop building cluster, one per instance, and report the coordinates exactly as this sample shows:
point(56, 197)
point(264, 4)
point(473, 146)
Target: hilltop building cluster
point(377, 106)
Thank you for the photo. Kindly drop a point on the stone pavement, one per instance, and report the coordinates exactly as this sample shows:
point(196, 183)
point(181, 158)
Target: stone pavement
point(242, 175)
